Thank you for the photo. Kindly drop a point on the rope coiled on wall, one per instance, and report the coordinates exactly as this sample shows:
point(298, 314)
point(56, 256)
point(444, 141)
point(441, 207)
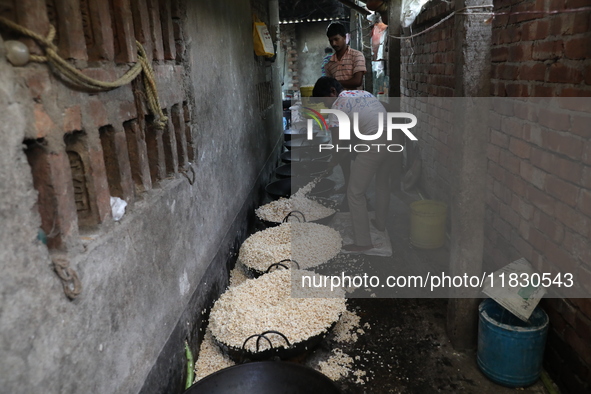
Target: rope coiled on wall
point(79, 79)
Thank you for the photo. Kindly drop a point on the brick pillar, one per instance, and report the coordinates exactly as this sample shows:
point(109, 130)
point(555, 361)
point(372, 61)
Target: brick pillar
point(70, 31)
point(191, 149)
point(170, 146)
point(125, 31)
point(167, 30)
point(117, 163)
point(155, 152)
point(101, 47)
point(178, 121)
point(138, 156)
point(53, 181)
point(155, 29)
point(32, 14)
point(141, 24)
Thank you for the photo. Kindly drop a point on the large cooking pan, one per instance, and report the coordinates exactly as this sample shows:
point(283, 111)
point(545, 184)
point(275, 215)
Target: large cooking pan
point(265, 377)
point(286, 187)
point(304, 168)
point(294, 133)
point(304, 142)
point(305, 154)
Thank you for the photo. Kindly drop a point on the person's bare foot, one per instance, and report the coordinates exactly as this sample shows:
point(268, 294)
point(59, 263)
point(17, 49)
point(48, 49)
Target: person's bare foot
point(381, 229)
point(359, 248)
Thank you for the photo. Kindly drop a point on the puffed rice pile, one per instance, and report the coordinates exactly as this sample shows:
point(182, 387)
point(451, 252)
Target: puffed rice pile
point(211, 359)
point(276, 211)
point(264, 304)
point(310, 244)
point(337, 366)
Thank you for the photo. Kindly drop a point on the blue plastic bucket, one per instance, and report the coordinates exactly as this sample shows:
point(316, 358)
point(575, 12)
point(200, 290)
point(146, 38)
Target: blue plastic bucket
point(510, 351)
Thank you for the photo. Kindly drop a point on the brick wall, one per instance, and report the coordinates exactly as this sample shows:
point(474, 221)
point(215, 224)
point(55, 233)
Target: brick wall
point(427, 69)
point(147, 278)
point(102, 145)
point(538, 184)
point(539, 168)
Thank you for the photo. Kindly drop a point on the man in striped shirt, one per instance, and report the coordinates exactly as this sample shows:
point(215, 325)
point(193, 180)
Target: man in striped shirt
point(347, 65)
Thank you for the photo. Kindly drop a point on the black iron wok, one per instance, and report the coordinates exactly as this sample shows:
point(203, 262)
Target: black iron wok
point(304, 142)
point(305, 154)
point(304, 168)
point(265, 377)
point(294, 133)
point(286, 187)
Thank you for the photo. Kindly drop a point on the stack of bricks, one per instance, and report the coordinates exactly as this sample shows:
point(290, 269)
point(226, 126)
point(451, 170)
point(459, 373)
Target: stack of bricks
point(84, 148)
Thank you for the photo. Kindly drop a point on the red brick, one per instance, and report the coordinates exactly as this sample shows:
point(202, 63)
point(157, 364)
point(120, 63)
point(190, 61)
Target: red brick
point(586, 177)
point(32, 14)
point(572, 219)
point(544, 202)
point(564, 191)
point(138, 156)
point(533, 175)
point(499, 139)
point(532, 72)
point(563, 143)
point(578, 48)
point(517, 90)
point(583, 323)
point(575, 92)
point(535, 30)
point(516, 184)
point(97, 113)
point(155, 148)
point(526, 111)
point(156, 29)
point(44, 125)
point(546, 50)
point(72, 119)
point(141, 24)
point(587, 153)
point(71, 43)
point(125, 31)
point(98, 184)
point(499, 54)
point(519, 148)
point(578, 246)
point(522, 208)
point(53, 181)
point(587, 74)
point(116, 159)
point(102, 32)
point(544, 91)
point(520, 53)
point(560, 258)
point(509, 161)
point(180, 134)
point(167, 30)
point(584, 203)
point(548, 226)
point(561, 73)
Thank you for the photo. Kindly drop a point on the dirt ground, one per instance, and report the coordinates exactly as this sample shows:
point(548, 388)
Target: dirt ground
point(405, 348)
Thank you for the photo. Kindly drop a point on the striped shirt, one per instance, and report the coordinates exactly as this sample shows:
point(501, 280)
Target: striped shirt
point(352, 61)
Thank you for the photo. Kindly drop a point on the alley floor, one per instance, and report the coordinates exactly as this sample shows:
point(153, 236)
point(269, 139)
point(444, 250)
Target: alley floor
point(405, 348)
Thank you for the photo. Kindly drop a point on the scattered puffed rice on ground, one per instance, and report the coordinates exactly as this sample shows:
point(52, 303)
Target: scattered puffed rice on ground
point(211, 359)
point(359, 374)
point(309, 244)
point(337, 366)
point(343, 330)
point(265, 304)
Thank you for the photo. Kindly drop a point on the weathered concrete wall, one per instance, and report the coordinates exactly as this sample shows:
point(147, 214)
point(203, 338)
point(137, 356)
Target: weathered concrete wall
point(139, 274)
point(314, 34)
